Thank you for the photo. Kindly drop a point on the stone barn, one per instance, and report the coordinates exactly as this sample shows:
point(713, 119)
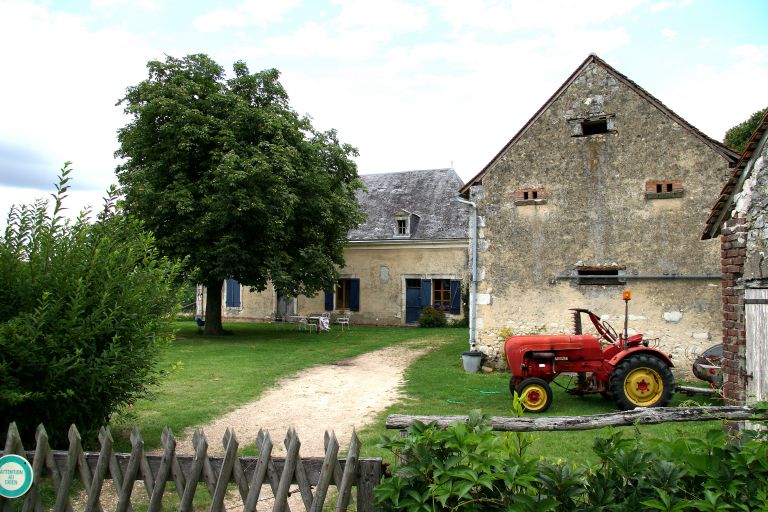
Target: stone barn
point(740, 217)
point(603, 189)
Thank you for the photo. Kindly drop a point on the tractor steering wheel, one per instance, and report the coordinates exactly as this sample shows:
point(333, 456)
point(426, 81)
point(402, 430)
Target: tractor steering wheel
point(610, 332)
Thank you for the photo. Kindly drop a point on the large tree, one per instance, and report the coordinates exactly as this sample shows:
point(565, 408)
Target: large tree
point(229, 176)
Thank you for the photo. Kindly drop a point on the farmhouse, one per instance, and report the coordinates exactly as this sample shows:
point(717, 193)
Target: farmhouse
point(601, 190)
point(740, 217)
point(410, 252)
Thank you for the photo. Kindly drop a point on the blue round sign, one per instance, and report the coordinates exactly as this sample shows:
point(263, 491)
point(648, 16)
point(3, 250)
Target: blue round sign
point(15, 476)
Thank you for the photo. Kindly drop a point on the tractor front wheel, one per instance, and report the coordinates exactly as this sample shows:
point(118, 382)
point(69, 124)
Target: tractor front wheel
point(641, 380)
point(535, 394)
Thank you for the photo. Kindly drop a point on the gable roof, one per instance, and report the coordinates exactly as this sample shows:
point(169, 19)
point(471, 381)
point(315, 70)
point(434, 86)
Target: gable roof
point(427, 194)
point(724, 203)
point(730, 155)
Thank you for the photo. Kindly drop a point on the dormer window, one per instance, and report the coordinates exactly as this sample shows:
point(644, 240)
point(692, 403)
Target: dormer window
point(402, 227)
point(406, 224)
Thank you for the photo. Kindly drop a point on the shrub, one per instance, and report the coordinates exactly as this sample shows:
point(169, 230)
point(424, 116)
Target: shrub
point(86, 309)
point(468, 467)
point(431, 317)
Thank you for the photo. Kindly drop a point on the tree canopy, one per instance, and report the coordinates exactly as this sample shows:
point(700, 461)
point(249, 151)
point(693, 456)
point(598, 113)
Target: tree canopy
point(738, 136)
point(85, 309)
point(228, 175)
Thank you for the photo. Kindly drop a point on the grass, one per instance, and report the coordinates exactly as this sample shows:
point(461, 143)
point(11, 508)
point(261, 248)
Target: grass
point(437, 385)
point(210, 376)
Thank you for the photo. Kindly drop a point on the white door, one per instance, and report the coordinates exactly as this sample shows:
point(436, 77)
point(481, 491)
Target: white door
point(756, 323)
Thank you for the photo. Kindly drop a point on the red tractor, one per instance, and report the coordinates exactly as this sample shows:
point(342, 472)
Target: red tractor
point(619, 367)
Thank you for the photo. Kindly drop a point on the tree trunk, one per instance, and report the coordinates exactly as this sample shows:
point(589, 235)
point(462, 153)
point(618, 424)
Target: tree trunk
point(213, 325)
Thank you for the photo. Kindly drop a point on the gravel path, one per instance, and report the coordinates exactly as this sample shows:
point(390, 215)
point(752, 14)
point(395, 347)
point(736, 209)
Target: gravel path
point(340, 397)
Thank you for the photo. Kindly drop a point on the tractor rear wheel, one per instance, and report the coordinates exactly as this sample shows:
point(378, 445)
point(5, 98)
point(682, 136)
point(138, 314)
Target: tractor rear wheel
point(641, 380)
point(535, 394)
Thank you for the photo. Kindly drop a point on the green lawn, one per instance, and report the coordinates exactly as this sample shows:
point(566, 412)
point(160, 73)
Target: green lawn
point(210, 376)
point(437, 385)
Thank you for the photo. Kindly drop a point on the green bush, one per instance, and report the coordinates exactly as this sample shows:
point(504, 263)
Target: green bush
point(431, 317)
point(85, 310)
point(468, 467)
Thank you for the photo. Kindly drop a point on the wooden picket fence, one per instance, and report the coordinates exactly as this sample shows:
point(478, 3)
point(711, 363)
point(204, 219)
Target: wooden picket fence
point(246, 475)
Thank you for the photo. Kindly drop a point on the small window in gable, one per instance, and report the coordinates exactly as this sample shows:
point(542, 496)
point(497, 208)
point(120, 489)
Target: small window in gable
point(584, 127)
point(527, 196)
point(661, 189)
point(402, 227)
point(594, 127)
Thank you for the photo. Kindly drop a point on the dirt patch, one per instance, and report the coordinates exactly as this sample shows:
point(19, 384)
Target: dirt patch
point(338, 397)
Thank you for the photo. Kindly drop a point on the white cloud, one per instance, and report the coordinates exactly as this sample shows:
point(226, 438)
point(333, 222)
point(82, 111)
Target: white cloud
point(669, 34)
point(665, 5)
point(60, 89)
point(246, 13)
point(717, 96)
point(513, 15)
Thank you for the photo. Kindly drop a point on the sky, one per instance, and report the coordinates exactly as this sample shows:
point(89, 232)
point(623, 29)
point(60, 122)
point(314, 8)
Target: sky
point(413, 84)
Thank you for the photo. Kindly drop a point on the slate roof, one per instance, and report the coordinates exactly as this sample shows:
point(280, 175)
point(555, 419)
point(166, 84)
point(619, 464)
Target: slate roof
point(724, 203)
point(727, 153)
point(428, 195)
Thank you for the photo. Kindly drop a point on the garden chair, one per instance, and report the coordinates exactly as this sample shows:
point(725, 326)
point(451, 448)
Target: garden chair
point(342, 320)
point(306, 325)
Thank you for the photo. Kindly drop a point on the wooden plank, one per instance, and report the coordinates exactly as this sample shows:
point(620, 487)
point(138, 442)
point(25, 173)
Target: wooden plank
point(130, 472)
point(350, 474)
point(230, 445)
point(326, 473)
point(99, 473)
point(369, 476)
point(641, 416)
point(163, 471)
point(286, 477)
point(260, 471)
point(195, 470)
point(756, 350)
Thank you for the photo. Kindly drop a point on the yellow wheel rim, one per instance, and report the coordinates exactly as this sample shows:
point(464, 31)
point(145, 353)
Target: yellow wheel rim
point(643, 387)
point(534, 397)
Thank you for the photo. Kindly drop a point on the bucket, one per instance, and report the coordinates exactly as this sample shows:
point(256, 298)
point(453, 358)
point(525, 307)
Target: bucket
point(472, 361)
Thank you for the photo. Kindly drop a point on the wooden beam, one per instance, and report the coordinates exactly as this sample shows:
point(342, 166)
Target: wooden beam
point(639, 416)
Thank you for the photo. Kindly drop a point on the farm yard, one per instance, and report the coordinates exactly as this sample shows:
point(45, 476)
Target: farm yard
point(209, 377)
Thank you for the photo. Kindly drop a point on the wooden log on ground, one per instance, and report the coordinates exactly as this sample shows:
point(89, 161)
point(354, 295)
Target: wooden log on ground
point(639, 416)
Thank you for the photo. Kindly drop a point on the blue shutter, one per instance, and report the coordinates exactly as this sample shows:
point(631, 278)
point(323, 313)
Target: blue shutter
point(328, 300)
point(455, 297)
point(426, 293)
point(354, 294)
point(233, 294)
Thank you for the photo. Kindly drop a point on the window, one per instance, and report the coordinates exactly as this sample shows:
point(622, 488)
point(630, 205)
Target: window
point(345, 296)
point(606, 276)
point(594, 127)
point(232, 297)
point(661, 189)
point(586, 126)
point(402, 227)
point(441, 294)
point(526, 196)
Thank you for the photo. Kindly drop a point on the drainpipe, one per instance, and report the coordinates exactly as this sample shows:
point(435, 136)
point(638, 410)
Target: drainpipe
point(473, 273)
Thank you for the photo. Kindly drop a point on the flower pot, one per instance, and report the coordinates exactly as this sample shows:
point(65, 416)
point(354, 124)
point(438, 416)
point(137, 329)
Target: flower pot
point(472, 361)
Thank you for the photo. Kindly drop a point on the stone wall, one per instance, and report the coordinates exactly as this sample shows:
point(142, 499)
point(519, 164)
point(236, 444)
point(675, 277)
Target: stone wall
point(594, 210)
